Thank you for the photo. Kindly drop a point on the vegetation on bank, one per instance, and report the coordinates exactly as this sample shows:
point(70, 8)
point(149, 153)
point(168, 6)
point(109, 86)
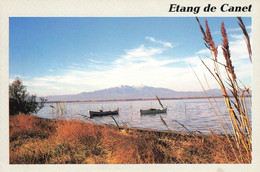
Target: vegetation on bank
point(43, 141)
point(20, 101)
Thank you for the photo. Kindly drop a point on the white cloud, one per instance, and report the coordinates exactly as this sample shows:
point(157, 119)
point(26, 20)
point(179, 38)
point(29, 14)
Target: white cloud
point(230, 30)
point(166, 44)
point(142, 66)
point(238, 29)
point(141, 52)
point(96, 61)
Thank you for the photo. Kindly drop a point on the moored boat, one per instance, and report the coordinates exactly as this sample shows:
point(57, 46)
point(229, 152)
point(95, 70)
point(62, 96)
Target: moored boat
point(153, 111)
point(103, 113)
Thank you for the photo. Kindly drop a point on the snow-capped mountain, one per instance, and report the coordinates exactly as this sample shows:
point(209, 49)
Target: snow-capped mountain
point(131, 92)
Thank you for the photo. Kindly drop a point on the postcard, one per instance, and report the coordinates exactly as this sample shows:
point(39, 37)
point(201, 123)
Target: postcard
point(129, 85)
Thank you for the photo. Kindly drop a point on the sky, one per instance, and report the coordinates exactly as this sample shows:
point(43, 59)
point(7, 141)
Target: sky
point(67, 55)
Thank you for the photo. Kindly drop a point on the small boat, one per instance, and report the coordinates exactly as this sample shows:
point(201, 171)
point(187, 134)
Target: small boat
point(103, 113)
point(153, 111)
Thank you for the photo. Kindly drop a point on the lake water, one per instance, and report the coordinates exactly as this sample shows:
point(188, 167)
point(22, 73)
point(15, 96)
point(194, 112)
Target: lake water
point(194, 114)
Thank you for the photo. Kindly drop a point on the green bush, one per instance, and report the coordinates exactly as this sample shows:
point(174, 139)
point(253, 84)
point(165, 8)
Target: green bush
point(20, 101)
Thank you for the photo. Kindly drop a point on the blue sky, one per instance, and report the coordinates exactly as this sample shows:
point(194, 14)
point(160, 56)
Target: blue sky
point(70, 55)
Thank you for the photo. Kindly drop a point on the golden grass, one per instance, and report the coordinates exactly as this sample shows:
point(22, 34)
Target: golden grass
point(42, 141)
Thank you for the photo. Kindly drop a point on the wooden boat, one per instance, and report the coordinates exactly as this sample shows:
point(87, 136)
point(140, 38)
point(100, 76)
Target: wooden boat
point(103, 113)
point(153, 111)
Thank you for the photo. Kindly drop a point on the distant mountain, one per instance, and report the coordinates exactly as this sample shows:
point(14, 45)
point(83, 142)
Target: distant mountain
point(131, 92)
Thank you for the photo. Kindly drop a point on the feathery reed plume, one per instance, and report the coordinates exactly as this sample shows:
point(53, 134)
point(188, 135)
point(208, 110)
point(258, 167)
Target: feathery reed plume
point(164, 123)
point(209, 43)
point(243, 28)
point(236, 105)
point(226, 52)
point(159, 101)
point(202, 30)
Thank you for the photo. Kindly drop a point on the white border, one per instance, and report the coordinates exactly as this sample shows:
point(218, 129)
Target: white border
point(118, 8)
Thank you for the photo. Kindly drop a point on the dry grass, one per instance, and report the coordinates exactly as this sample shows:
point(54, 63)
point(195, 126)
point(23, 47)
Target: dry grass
point(41, 141)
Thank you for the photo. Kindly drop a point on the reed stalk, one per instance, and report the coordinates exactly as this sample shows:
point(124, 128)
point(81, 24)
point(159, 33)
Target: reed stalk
point(61, 110)
point(164, 123)
point(236, 102)
point(243, 28)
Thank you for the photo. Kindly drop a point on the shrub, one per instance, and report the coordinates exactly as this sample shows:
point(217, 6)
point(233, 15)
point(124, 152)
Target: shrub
point(20, 101)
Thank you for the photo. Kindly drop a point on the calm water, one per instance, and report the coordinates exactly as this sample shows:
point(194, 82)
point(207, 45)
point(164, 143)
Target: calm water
point(195, 114)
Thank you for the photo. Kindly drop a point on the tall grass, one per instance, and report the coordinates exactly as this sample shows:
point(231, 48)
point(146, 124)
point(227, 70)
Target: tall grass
point(236, 104)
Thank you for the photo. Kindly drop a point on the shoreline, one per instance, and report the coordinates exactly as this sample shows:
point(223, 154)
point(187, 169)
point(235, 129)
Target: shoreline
point(137, 99)
point(168, 132)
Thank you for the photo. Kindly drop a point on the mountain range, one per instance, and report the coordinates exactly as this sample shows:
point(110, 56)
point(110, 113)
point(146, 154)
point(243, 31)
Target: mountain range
point(132, 92)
